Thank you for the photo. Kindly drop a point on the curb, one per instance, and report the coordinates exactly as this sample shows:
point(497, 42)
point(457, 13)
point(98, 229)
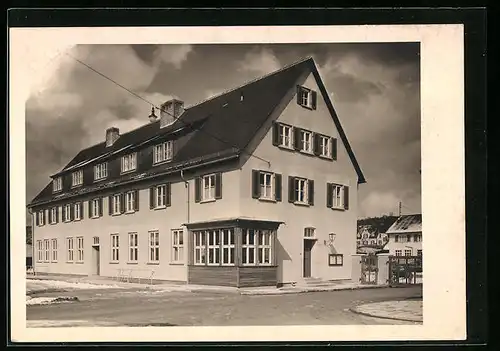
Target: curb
point(303, 291)
point(354, 310)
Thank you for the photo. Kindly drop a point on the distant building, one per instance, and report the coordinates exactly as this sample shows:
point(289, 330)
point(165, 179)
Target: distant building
point(405, 236)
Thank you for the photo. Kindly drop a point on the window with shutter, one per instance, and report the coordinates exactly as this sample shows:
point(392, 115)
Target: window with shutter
point(277, 187)
point(255, 184)
point(168, 195)
point(306, 97)
point(291, 189)
point(346, 197)
point(334, 148)
point(276, 134)
point(310, 192)
point(136, 199)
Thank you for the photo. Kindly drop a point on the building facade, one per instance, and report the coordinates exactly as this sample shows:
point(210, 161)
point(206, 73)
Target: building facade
point(405, 236)
point(257, 186)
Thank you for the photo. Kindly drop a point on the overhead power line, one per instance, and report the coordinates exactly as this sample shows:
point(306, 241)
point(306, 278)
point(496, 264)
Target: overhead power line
point(159, 108)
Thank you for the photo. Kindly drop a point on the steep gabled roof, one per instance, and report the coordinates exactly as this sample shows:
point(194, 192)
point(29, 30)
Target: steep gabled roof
point(406, 224)
point(218, 127)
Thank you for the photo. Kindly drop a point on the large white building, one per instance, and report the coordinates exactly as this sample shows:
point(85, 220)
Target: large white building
point(256, 186)
point(405, 236)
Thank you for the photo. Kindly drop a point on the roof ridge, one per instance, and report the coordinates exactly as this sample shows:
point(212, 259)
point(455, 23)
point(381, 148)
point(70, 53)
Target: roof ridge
point(251, 81)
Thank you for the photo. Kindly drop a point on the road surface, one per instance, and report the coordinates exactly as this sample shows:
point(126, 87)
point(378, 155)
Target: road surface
point(143, 308)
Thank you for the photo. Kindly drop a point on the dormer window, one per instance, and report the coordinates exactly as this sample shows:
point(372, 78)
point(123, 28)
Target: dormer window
point(306, 97)
point(129, 162)
point(77, 178)
point(163, 152)
point(57, 184)
point(101, 171)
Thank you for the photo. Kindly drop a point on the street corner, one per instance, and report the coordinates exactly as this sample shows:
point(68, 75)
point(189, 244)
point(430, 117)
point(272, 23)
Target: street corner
point(409, 310)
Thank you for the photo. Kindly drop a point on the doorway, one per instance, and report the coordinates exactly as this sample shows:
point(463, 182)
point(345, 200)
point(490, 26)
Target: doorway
point(308, 245)
point(96, 260)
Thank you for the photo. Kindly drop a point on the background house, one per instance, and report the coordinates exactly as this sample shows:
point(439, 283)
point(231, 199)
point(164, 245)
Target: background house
point(371, 235)
point(405, 236)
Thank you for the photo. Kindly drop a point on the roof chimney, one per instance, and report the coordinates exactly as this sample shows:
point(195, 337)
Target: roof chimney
point(152, 116)
point(112, 134)
point(170, 111)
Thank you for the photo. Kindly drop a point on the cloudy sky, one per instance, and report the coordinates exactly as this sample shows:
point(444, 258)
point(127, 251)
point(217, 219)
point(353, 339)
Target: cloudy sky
point(375, 89)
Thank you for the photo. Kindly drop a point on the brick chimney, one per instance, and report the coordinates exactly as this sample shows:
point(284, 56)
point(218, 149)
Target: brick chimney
point(112, 134)
point(170, 111)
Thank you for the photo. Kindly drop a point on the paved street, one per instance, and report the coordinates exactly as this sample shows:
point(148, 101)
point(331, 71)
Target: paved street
point(136, 307)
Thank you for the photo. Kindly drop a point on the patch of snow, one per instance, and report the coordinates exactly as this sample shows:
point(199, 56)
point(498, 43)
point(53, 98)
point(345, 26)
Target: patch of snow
point(58, 284)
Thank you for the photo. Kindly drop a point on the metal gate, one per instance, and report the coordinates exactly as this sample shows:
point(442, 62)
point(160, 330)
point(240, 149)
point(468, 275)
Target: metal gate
point(405, 270)
point(369, 269)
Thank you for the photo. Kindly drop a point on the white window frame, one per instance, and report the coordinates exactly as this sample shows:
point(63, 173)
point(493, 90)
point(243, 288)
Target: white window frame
point(199, 242)
point(305, 97)
point(163, 152)
point(95, 207)
point(39, 251)
point(115, 248)
point(57, 184)
point(101, 171)
point(264, 247)
point(337, 196)
point(177, 246)
point(133, 247)
point(301, 188)
point(208, 187)
point(70, 249)
point(408, 252)
point(154, 246)
point(228, 247)
point(160, 191)
point(129, 162)
point(130, 201)
point(41, 218)
point(53, 215)
point(67, 212)
point(309, 232)
point(77, 211)
point(285, 136)
point(213, 247)
point(117, 208)
point(266, 184)
point(77, 178)
point(80, 249)
point(53, 249)
point(249, 247)
point(46, 250)
point(306, 141)
point(398, 252)
point(325, 148)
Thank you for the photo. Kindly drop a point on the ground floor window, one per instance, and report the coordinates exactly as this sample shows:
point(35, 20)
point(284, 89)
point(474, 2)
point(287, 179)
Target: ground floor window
point(133, 247)
point(407, 252)
point(398, 252)
point(54, 250)
point(218, 247)
point(335, 260)
point(177, 245)
point(69, 250)
point(39, 251)
point(79, 243)
point(46, 251)
point(154, 246)
point(115, 247)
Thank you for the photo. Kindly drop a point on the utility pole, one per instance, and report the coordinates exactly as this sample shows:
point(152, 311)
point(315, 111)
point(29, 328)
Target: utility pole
point(399, 209)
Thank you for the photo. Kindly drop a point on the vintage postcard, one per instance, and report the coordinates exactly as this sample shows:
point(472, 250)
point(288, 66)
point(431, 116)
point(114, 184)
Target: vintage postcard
point(237, 184)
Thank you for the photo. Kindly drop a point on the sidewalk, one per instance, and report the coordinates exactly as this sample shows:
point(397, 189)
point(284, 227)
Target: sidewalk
point(94, 283)
point(408, 310)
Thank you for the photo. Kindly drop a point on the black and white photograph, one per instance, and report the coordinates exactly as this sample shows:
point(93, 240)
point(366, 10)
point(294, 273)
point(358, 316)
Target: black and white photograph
point(229, 184)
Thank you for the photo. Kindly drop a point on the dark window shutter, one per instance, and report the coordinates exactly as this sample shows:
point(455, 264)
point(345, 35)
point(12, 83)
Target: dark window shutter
point(329, 195)
point(296, 138)
point(277, 187)
point(218, 185)
point(255, 184)
point(334, 148)
point(310, 192)
point(168, 194)
point(316, 146)
point(122, 203)
point(276, 133)
point(314, 98)
point(197, 189)
point(110, 204)
point(100, 207)
point(136, 200)
point(291, 189)
point(346, 197)
point(44, 217)
point(89, 205)
point(299, 89)
point(37, 218)
point(57, 214)
point(71, 212)
point(152, 197)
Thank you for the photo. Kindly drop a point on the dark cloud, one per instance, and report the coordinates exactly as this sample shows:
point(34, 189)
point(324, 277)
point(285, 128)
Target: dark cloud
point(375, 89)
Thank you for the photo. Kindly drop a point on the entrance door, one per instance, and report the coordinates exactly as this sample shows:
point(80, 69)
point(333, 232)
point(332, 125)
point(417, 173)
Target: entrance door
point(97, 260)
point(308, 244)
